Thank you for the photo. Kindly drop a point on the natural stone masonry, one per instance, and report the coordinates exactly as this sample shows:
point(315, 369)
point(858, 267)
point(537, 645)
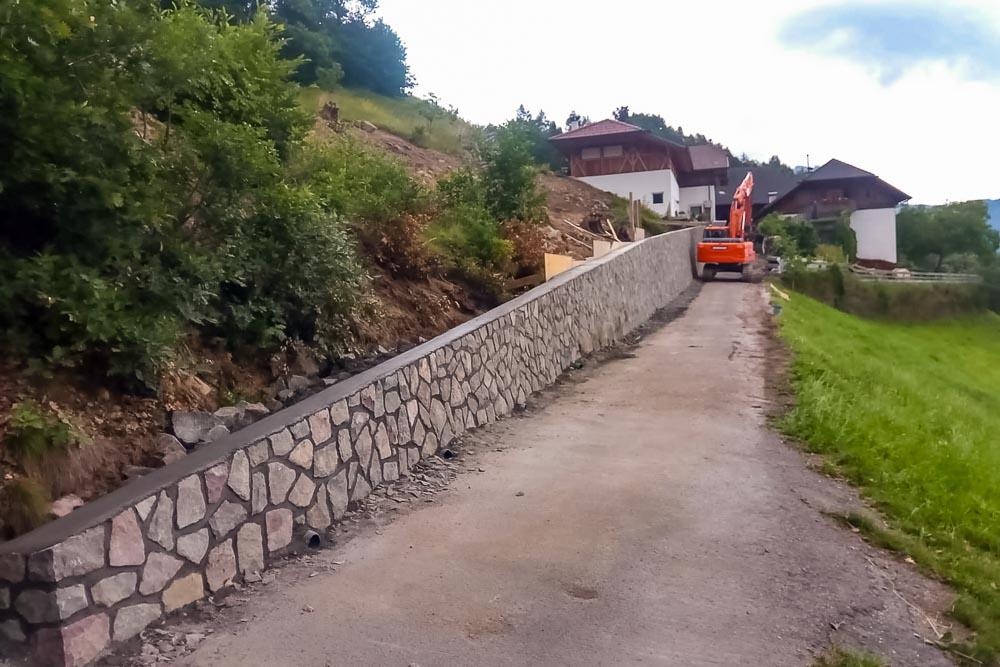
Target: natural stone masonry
point(220, 514)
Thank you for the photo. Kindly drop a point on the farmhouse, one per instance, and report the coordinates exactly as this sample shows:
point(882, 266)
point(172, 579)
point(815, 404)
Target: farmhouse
point(671, 179)
point(839, 189)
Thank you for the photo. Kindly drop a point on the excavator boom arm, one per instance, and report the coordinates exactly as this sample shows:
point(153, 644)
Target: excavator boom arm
point(741, 212)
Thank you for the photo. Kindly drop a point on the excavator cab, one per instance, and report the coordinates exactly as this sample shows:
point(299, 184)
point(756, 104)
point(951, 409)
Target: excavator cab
point(726, 248)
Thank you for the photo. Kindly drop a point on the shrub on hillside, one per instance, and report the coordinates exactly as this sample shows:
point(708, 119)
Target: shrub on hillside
point(357, 181)
point(467, 233)
point(509, 176)
point(375, 192)
point(145, 188)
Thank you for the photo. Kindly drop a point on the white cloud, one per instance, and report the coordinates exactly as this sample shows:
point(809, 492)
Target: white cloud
point(713, 67)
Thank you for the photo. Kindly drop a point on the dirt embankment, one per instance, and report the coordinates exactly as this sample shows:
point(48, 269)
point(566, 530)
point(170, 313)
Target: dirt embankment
point(119, 431)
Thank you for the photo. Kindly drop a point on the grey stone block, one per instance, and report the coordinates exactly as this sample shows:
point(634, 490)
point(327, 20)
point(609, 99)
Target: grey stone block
point(221, 567)
point(239, 475)
point(282, 442)
point(190, 501)
point(111, 590)
point(226, 518)
point(280, 478)
point(161, 526)
point(77, 555)
point(194, 546)
point(160, 569)
point(250, 548)
point(130, 621)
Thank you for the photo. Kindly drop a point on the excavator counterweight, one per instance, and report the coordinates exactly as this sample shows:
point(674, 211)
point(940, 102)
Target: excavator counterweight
point(727, 248)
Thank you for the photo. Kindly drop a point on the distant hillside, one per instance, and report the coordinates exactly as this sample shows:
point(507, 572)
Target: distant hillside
point(993, 210)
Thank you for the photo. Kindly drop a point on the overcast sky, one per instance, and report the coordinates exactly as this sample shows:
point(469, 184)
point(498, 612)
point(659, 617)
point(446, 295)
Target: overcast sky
point(907, 90)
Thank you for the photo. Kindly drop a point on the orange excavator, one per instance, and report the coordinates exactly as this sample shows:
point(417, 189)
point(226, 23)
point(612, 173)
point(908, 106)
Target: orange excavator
point(727, 248)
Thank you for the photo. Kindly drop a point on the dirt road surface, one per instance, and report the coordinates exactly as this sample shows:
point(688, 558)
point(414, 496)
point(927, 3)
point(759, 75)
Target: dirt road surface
point(643, 515)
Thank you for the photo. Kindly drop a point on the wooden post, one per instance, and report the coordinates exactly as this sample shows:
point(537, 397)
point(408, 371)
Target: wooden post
point(636, 217)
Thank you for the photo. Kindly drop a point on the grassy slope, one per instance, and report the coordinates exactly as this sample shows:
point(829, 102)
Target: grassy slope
point(911, 414)
point(405, 117)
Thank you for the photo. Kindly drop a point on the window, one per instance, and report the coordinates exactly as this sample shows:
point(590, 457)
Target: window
point(696, 212)
point(613, 151)
point(591, 154)
point(657, 197)
point(771, 196)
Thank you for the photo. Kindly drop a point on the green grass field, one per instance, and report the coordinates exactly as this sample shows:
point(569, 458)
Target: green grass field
point(412, 118)
point(911, 414)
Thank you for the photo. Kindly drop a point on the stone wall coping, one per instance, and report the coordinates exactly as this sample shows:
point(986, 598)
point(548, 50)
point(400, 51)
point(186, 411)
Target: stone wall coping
point(111, 504)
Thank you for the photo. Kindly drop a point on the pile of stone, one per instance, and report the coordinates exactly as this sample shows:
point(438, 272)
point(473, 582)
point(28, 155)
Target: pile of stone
point(191, 429)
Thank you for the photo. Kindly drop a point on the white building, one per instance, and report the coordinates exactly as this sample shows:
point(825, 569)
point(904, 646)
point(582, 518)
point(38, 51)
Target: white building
point(837, 189)
point(671, 179)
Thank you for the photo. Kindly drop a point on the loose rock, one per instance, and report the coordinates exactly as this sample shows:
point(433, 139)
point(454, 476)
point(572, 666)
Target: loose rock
point(169, 449)
point(192, 428)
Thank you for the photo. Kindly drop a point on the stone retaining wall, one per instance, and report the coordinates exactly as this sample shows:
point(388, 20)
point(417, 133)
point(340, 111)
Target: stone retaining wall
point(221, 514)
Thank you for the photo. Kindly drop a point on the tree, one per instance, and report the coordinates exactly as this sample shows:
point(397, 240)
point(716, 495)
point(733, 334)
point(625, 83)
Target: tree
point(509, 175)
point(928, 236)
point(339, 41)
point(373, 57)
point(538, 129)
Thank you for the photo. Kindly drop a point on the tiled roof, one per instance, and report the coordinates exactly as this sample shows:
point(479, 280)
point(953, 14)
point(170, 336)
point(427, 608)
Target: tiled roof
point(836, 170)
point(599, 129)
point(707, 156)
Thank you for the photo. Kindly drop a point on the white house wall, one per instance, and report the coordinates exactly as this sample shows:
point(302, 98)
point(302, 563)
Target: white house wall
point(642, 185)
point(875, 230)
point(697, 196)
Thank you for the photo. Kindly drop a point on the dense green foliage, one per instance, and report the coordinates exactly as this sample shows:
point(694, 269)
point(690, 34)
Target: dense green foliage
point(340, 41)
point(954, 237)
point(476, 202)
point(537, 130)
point(910, 414)
point(788, 236)
point(34, 432)
point(144, 187)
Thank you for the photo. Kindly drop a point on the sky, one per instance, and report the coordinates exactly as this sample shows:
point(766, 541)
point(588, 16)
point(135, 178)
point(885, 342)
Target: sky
point(907, 90)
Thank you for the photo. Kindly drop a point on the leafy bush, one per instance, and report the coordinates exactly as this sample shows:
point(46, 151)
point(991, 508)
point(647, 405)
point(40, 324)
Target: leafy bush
point(357, 181)
point(509, 176)
point(375, 192)
point(145, 188)
point(789, 236)
point(466, 232)
point(33, 433)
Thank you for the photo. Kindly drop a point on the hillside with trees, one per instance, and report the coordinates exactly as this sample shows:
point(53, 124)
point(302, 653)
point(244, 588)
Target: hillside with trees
point(655, 124)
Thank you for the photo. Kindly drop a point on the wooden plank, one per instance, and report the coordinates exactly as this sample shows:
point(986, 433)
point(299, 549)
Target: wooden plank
point(527, 281)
